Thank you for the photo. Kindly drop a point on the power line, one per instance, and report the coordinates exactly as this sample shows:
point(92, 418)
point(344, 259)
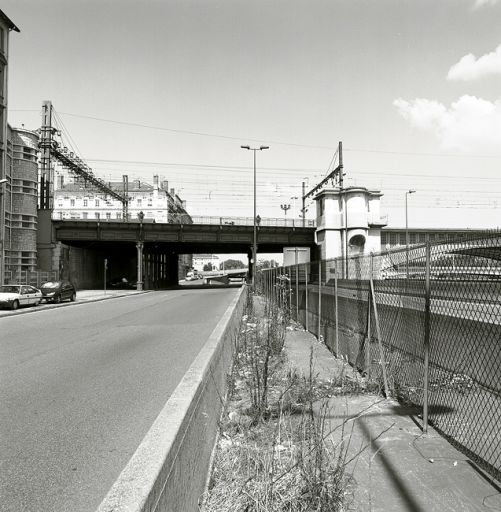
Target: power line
point(206, 134)
point(192, 132)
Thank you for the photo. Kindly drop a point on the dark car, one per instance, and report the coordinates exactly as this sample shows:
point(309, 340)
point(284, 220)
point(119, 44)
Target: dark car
point(56, 291)
point(121, 283)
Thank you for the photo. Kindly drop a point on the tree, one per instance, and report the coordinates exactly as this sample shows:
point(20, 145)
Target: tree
point(262, 264)
point(231, 264)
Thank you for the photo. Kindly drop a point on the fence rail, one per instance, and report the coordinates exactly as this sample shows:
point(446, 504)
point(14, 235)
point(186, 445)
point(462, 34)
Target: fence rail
point(425, 323)
point(205, 220)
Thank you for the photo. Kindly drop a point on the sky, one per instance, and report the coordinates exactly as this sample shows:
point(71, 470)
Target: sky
point(412, 88)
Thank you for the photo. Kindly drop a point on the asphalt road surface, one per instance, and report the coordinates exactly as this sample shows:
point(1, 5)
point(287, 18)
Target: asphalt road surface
point(80, 386)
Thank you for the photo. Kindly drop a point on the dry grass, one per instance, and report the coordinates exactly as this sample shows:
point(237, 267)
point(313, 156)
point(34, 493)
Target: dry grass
point(275, 451)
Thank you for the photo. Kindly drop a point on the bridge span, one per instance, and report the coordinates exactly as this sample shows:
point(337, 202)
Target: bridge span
point(152, 249)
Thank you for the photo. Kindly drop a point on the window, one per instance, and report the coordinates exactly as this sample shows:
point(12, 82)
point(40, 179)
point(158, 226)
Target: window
point(85, 215)
point(108, 215)
point(139, 202)
point(85, 202)
point(119, 215)
point(97, 215)
point(97, 203)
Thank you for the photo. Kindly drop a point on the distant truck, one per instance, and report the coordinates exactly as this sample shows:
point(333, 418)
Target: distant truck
point(296, 256)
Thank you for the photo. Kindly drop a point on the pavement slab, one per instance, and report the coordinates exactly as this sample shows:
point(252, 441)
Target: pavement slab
point(395, 466)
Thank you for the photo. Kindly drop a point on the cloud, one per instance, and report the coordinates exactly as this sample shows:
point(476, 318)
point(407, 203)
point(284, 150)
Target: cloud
point(482, 3)
point(470, 124)
point(471, 68)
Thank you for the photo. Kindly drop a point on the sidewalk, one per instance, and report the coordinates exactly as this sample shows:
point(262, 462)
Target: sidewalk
point(82, 296)
point(401, 469)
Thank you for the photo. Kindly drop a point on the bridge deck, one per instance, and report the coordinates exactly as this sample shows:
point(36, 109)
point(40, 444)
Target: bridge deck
point(185, 238)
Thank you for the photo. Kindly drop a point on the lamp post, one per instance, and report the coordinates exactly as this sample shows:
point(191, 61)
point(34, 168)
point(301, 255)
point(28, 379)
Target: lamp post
point(254, 243)
point(407, 235)
point(285, 207)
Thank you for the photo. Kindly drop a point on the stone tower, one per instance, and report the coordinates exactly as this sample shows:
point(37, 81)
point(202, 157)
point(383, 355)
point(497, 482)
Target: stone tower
point(348, 222)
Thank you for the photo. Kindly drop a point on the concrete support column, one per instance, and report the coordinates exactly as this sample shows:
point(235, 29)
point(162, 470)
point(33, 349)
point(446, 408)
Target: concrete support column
point(139, 247)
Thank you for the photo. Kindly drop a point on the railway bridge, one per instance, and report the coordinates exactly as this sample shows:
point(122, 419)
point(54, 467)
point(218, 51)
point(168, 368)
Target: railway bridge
point(150, 251)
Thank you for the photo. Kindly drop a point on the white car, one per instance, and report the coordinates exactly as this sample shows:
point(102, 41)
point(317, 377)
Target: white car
point(14, 295)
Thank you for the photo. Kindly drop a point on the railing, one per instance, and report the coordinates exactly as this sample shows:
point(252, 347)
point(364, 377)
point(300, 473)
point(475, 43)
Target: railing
point(425, 324)
point(211, 220)
point(248, 221)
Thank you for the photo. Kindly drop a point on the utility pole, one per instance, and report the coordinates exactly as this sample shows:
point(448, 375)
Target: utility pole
point(303, 196)
point(46, 132)
point(125, 204)
point(345, 210)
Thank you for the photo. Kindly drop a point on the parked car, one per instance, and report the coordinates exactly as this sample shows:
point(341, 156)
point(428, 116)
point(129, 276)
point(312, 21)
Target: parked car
point(57, 291)
point(14, 295)
point(121, 283)
point(193, 275)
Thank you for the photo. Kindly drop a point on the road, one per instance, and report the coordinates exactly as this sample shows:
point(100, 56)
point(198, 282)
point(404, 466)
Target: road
point(81, 385)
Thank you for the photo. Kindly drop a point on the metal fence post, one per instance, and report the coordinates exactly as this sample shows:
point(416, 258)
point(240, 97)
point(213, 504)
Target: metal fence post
point(306, 297)
point(427, 297)
point(296, 268)
point(336, 307)
point(319, 299)
point(380, 340)
point(368, 355)
point(275, 289)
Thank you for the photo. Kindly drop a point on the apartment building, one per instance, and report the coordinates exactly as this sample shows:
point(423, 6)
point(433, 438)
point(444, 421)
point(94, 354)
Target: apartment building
point(76, 200)
point(6, 26)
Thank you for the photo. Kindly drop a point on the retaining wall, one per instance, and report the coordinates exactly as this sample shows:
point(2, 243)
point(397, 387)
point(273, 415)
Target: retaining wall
point(168, 472)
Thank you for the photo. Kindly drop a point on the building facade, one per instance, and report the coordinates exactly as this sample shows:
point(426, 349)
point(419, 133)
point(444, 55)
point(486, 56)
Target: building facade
point(21, 197)
point(395, 238)
point(74, 200)
point(6, 26)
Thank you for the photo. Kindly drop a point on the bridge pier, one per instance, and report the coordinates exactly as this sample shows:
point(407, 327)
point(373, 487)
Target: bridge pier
point(139, 247)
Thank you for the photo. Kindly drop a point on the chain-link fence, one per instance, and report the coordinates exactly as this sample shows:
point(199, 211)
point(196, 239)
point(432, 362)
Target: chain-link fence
point(424, 322)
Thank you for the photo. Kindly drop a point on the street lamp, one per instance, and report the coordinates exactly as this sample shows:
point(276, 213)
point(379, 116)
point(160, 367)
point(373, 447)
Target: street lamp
point(407, 234)
point(285, 207)
point(254, 244)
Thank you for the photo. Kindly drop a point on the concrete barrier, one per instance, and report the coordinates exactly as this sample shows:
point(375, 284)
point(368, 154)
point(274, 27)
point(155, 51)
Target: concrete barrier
point(168, 472)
